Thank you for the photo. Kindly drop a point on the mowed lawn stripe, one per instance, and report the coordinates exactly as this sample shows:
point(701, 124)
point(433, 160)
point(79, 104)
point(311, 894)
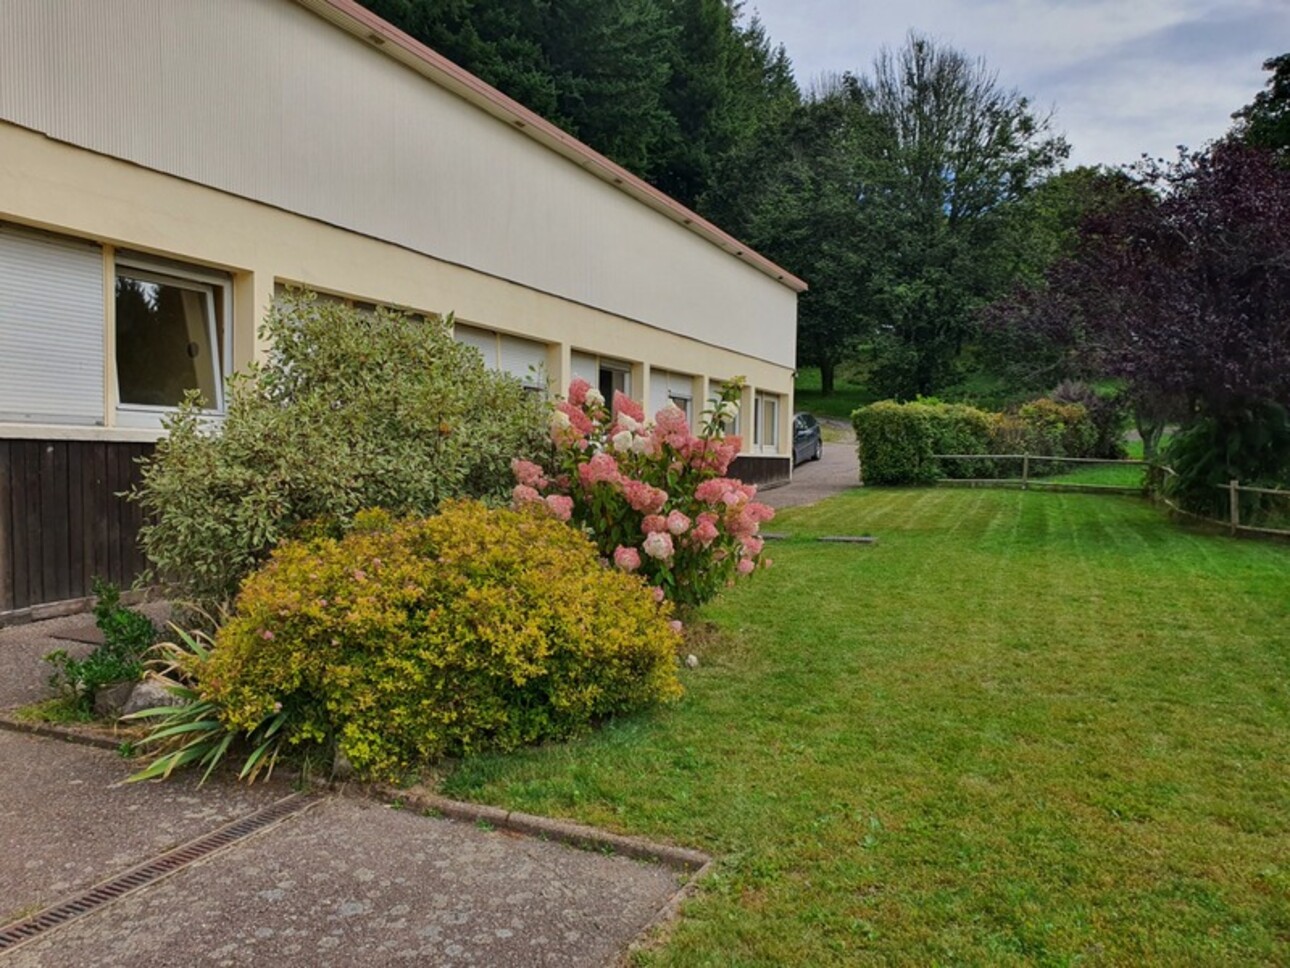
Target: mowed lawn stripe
point(1023, 728)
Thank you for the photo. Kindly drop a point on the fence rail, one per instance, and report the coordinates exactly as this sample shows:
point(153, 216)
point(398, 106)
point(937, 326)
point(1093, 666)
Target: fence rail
point(1030, 463)
point(1036, 468)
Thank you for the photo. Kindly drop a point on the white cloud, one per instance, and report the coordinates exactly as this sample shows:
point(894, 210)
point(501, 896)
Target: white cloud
point(1124, 76)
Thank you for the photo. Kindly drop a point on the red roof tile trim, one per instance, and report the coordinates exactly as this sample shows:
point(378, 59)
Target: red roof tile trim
point(362, 22)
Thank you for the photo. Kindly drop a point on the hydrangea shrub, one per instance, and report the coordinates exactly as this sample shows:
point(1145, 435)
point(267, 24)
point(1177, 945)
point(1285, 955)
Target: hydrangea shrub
point(652, 495)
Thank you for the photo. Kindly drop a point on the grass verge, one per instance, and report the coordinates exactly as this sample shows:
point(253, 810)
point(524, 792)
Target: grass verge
point(1023, 728)
point(59, 711)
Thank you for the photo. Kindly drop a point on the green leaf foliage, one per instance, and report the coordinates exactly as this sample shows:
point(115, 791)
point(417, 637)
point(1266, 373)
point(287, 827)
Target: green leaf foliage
point(127, 636)
point(1265, 122)
point(1251, 446)
point(897, 442)
point(408, 640)
point(349, 410)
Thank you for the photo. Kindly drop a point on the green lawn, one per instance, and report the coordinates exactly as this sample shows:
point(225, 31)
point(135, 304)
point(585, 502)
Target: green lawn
point(845, 397)
point(1102, 475)
point(1023, 728)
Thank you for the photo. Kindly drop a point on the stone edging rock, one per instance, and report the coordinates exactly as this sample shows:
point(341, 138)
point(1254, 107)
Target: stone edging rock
point(82, 735)
point(562, 831)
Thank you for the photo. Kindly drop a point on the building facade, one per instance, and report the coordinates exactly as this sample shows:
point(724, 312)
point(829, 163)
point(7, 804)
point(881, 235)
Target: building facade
point(166, 166)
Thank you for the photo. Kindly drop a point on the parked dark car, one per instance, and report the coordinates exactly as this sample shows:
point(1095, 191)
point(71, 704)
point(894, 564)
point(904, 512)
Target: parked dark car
point(807, 443)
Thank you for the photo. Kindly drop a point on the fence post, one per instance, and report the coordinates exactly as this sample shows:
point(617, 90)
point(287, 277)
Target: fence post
point(1234, 503)
point(1025, 471)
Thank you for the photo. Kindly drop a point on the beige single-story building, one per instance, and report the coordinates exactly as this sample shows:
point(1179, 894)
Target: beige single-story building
point(166, 166)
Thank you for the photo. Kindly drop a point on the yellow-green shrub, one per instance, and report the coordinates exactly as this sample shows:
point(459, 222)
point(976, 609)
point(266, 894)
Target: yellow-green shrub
point(407, 640)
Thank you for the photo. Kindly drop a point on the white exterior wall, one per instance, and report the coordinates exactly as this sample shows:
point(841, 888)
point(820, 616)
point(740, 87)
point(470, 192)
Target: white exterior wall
point(54, 187)
point(266, 100)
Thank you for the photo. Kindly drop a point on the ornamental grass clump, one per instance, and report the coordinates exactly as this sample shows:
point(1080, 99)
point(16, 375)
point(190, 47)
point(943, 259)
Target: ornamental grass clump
point(652, 495)
point(407, 640)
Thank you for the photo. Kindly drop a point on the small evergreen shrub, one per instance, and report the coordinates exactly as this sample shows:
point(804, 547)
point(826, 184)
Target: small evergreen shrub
point(897, 441)
point(350, 410)
point(956, 428)
point(127, 636)
point(1107, 413)
point(1057, 429)
point(410, 639)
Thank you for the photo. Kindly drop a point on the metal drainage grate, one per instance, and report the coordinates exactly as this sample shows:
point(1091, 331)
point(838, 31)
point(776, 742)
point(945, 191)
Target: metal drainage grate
point(148, 872)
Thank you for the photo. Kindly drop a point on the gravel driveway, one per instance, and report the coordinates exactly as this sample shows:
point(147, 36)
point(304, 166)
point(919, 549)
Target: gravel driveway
point(836, 471)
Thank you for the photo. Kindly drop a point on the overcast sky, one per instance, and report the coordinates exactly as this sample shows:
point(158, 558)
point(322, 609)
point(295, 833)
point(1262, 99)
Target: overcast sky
point(1123, 77)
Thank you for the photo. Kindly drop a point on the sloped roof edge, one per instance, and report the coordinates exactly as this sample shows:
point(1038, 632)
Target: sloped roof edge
point(384, 36)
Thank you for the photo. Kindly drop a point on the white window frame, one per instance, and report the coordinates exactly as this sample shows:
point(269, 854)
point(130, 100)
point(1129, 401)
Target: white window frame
point(760, 400)
point(615, 366)
point(193, 278)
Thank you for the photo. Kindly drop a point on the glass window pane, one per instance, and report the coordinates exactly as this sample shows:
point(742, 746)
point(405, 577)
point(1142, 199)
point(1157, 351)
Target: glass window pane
point(167, 341)
point(767, 417)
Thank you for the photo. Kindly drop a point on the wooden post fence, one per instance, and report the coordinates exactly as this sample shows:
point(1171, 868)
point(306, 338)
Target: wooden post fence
point(1025, 472)
point(1234, 504)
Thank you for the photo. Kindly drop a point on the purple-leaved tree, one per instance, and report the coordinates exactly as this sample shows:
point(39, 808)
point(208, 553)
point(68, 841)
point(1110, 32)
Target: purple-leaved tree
point(1182, 291)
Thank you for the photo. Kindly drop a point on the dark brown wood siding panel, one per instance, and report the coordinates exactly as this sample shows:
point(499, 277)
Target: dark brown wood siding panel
point(61, 521)
point(762, 471)
point(6, 545)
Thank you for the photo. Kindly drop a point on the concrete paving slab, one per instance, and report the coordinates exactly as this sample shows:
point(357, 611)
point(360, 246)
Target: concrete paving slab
point(354, 882)
point(67, 820)
point(837, 470)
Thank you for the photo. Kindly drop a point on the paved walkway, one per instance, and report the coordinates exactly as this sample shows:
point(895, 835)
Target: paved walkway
point(836, 471)
point(344, 881)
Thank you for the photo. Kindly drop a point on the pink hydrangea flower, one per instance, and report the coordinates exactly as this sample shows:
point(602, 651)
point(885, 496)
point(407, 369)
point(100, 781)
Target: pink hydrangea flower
point(577, 419)
point(560, 505)
point(714, 456)
point(723, 490)
point(522, 494)
point(527, 472)
point(563, 433)
point(658, 545)
point(752, 545)
point(705, 531)
point(578, 391)
point(654, 523)
point(624, 404)
point(676, 625)
point(659, 594)
point(672, 420)
point(745, 566)
point(740, 523)
point(600, 469)
point(628, 559)
point(678, 523)
point(643, 497)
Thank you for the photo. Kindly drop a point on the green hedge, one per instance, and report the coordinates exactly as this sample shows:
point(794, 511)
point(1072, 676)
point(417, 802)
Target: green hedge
point(897, 441)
